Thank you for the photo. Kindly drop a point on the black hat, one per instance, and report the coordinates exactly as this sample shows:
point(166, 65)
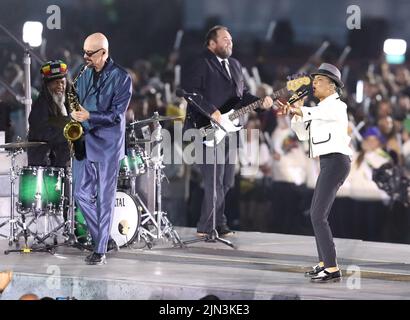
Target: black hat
point(330, 71)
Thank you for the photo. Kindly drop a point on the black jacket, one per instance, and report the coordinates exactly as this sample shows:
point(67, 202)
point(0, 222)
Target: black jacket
point(42, 110)
point(206, 77)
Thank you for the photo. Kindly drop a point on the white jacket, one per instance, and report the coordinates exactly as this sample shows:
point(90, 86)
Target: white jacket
point(324, 126)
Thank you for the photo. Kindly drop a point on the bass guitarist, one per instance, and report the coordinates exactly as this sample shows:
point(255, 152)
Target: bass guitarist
point(216, 78)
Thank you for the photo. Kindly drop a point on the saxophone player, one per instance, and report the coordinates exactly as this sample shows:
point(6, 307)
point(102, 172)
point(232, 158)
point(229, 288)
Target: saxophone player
point(104, 92)
point(51, 104)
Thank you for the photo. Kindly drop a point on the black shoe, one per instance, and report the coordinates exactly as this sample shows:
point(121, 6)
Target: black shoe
point(97, 259)
point(112, 245)
point(224, 231)
point(314, 272)
point(325, 276)
point(202, 234)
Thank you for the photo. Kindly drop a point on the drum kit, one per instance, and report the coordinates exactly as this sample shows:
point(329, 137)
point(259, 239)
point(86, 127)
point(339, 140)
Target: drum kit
point(48, 192)
point(41, 194)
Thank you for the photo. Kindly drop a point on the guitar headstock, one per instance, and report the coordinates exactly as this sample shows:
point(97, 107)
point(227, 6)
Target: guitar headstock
point(295, 82)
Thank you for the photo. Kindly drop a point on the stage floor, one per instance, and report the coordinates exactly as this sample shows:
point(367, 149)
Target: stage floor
point(264, 266)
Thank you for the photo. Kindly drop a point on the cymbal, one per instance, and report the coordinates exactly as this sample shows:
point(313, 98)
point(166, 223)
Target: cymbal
point(22, 144)
point(155, 118)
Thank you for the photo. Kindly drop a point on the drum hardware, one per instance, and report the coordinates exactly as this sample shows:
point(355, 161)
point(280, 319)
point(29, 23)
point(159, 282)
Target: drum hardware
point(17, 148)
point(72, 239)
point(154, 119)
point(26, 232)
point(14, 149)
point(138, 141)
point(13, 176)
point(41, 195)
point(157, 219)
point(21, 145)
point(68, 226)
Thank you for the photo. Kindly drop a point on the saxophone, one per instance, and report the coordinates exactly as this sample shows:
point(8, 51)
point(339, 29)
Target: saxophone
point(73, 130)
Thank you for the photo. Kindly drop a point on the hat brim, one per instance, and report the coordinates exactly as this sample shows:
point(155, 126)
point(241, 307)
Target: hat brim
point(60, 76)
point(326, 73)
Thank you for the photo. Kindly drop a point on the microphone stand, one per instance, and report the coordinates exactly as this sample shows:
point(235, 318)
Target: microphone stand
point(213, 236)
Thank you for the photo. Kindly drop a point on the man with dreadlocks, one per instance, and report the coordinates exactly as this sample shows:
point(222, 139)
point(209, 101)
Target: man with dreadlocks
point(47, 112)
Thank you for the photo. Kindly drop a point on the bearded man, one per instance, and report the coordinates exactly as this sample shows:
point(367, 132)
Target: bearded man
point(49, 109)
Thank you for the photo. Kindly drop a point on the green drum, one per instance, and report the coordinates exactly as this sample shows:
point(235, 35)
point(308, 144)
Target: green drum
point(41, 188)
point(133, 165)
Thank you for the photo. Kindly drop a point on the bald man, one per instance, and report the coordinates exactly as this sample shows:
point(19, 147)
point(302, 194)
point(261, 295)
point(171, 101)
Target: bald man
point(29, 296)
point(104, 92)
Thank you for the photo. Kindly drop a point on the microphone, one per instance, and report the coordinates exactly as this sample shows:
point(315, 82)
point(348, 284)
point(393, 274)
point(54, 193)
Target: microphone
point(183, 94)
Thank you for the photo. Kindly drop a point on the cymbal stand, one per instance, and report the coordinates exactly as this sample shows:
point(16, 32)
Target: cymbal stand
point(161, 222)
point(13, 176)
point(70, 224)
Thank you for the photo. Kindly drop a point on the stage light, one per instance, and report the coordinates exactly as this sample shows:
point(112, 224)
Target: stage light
point(32, 33)
point(395, 50)
point(395, 46)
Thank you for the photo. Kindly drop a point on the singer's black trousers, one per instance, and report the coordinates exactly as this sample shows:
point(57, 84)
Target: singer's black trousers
point(334, 169)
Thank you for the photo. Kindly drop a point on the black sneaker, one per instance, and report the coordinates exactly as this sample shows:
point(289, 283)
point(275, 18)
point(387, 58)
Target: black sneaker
point(314, 272)
point(201, 234)
point(97, 259)
point(326, 276)
point(224, 231)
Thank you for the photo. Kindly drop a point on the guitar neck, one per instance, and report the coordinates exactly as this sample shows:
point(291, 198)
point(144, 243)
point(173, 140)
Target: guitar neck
point(256, 104)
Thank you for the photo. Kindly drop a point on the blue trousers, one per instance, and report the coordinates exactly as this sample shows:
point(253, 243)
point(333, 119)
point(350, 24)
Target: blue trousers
point(95, 185)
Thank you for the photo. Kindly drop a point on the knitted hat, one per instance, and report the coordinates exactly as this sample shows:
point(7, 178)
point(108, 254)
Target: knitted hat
point(55, 69)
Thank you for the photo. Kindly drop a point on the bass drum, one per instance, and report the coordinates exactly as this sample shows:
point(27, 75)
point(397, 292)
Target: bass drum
point(127, 219)
point(125, 223)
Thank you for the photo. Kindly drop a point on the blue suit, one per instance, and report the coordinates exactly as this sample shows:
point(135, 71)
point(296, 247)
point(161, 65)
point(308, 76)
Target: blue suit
point(106, 96)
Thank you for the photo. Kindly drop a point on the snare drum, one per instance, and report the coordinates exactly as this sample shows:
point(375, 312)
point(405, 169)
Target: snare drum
point(134, 163)
point(40, 188)
point(125, 223)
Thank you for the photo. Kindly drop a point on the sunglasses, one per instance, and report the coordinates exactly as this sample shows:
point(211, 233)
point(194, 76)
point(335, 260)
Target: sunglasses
point(91, 53)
